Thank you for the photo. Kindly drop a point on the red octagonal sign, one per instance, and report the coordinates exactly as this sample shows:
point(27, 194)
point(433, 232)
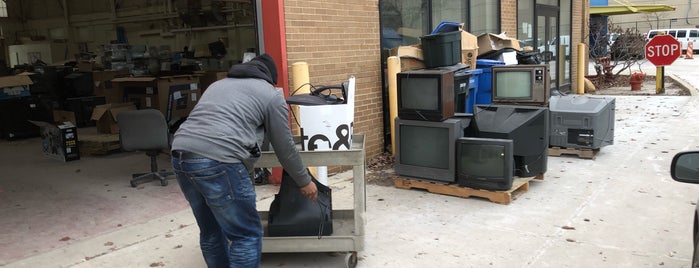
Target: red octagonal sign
point(663, 50)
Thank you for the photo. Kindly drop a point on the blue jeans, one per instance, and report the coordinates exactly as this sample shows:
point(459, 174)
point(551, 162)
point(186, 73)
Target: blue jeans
point(222, 197)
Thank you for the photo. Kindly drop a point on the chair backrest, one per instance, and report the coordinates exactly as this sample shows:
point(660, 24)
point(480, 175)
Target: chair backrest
point(143, 130)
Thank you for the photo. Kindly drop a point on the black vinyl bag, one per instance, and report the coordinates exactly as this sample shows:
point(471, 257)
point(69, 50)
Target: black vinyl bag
point(293, 214)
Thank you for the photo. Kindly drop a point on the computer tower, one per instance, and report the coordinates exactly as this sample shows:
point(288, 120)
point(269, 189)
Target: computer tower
point(581, 122)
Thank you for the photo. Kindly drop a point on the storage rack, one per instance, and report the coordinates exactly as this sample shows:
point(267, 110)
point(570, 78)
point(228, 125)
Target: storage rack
point(348, 224)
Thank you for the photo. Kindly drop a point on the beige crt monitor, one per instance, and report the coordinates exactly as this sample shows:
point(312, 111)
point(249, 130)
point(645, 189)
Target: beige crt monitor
point(521, 84)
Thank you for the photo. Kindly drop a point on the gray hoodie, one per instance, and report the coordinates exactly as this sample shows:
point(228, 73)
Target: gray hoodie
point(229, 122)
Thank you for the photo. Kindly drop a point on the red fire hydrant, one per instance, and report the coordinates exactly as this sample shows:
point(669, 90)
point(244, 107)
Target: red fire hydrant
point(636, 80)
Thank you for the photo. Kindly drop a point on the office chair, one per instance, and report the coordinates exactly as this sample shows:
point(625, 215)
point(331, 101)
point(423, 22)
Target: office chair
point(145, 130)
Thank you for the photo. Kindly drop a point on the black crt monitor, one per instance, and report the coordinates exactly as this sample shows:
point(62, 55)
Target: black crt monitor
point(78, 84)
point(426, 94)
point(485, 163)
point(425, 149)
point(526, 126)
point(521, 84)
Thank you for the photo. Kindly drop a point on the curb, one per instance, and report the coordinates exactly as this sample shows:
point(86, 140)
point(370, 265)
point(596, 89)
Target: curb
point(692, 90)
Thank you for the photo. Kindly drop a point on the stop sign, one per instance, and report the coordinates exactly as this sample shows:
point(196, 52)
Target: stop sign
point(662, 50)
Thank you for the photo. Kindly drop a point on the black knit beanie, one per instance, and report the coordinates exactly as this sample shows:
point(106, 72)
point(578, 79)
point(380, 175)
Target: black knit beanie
point(267, 60)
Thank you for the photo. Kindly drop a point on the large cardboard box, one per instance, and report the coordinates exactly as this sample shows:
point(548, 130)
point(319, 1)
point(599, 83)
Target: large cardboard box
point(410, 57)
point(14, 86)
point(488, 42)
point(104, 87)
point(106, 116)
point(174, 96)
point(59, 141)
point(209, 77)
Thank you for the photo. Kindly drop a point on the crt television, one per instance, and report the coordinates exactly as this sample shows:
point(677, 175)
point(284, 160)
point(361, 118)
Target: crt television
point(521, 84)
point(582, 122)
point(484, 163)
point(425, 149)
point(526, 126)
point(426, 94)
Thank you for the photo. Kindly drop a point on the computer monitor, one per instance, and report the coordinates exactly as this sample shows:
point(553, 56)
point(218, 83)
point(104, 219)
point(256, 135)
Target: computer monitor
point(526, 126)
point(521, 84)
point(425, 149)
point(484, 163)
point(426, 94)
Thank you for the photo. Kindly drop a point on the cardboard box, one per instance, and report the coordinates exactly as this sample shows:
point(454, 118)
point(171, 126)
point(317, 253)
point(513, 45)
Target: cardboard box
point(468, 57)
point(63, 116)
point(209, 77)
point(59, 141)
point(410, 57)
point(14, 86)
point(174, 96)
point(106, 116)
point(488, 42)
point(104, 87)
point(468, 40)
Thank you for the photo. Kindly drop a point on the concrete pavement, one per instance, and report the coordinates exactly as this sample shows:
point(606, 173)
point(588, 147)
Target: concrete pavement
point(621, 209)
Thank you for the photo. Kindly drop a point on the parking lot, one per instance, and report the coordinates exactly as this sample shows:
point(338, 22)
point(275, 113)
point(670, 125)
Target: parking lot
point(620, 209)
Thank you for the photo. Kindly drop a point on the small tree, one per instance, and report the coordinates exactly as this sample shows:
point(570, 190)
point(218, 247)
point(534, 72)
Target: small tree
point(615, 50)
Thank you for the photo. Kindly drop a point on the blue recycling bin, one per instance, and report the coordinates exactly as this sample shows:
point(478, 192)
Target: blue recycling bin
point(470, 98)
point(485, 81)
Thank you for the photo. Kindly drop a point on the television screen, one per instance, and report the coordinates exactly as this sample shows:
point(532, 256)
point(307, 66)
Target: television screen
point(521, 84)
point(485, 163)
point(419, 93)
point(425, 149)
point(516, 85)
point(416, 150)
point(426, 94)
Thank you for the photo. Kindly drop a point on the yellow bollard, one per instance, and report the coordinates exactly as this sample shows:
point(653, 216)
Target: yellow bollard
point(393, 63)
point(300, 84)
point(582, 65)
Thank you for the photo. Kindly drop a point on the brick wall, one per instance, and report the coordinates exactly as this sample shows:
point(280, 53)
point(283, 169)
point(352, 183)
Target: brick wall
point(508, 17)
point(339, 39)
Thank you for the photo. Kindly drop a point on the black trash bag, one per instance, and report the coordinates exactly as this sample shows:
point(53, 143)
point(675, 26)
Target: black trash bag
point(529, 57)
point(293, 214)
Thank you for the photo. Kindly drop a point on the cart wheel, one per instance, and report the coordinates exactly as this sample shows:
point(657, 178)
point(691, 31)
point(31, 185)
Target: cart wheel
point(351, 260)
point(163, 182)
point(133, 184)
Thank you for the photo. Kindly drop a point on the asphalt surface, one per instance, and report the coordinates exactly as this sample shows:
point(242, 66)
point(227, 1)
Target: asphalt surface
point(620, 209)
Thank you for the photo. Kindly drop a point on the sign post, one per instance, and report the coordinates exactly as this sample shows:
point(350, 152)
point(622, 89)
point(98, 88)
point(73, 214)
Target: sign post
point(662, 50)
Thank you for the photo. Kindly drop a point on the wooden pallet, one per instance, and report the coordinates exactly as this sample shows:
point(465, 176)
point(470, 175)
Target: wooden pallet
point(519, 186)
point(98, 144)
point(580, 152)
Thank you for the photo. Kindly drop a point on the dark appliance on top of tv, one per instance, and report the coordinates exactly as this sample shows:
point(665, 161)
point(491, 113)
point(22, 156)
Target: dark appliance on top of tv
point(526, 126)
point(425, 149)
point(485, 163)
point(78, 84)
point(582, 122)
point(426, 94)
point(521, 84)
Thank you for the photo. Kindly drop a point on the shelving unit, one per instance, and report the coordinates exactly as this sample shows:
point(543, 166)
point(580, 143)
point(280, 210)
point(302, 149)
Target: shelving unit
point(348, 224)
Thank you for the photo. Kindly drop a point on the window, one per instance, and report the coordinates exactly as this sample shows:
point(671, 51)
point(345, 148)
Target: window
point(693, 33)
point(3, 9)
point(404, 21)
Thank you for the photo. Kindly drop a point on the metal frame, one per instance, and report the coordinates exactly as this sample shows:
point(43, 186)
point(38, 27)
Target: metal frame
point(348, 224)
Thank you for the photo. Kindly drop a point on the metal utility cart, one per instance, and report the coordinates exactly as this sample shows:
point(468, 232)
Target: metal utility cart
point(348, 224)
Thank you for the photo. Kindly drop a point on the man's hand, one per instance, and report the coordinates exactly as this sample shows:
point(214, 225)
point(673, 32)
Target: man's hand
point(310, 191)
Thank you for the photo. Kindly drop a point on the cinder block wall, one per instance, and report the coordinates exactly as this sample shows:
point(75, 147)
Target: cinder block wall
point(339, 39)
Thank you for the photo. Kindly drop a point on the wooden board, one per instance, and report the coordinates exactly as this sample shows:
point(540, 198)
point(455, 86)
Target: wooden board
point(98, 144)
point(580, 152)
point(519, 186)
